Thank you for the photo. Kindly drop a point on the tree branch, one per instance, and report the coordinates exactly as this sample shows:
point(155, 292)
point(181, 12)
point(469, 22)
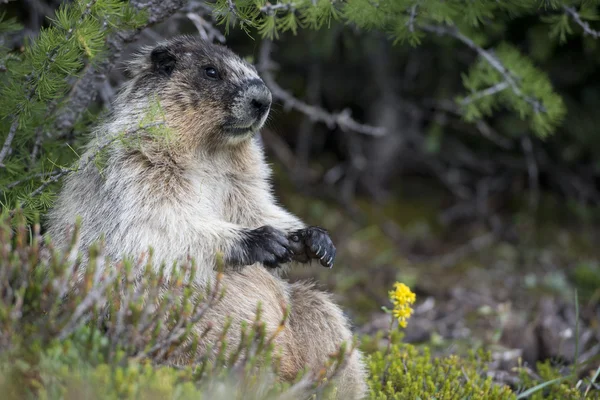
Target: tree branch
point(492, 60)
point(343, 120)
point(584, 25)
point(411, 19)
point(206, 30)
point(271, 9)
point(8, 142)
point(484, 93)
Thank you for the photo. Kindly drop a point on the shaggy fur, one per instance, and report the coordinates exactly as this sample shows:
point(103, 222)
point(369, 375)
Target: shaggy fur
point(203, 191)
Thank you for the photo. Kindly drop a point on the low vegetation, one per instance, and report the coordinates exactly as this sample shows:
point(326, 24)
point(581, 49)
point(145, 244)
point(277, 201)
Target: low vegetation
point(102, 336)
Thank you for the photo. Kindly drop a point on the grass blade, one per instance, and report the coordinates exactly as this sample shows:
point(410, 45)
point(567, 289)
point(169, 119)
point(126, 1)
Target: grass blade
point(539, 387)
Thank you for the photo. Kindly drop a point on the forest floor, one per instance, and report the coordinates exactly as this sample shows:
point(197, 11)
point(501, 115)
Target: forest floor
point(514, 296)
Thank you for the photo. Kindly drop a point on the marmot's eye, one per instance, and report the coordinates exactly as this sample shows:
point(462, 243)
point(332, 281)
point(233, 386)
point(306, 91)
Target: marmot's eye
point(211, 73)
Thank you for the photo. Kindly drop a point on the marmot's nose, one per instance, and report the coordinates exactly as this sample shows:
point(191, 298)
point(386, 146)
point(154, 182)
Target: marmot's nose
point(258, 97)
point(261, 101)
point(261, 104)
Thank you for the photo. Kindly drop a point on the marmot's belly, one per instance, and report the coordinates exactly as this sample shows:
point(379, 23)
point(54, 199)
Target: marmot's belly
point(251, 285)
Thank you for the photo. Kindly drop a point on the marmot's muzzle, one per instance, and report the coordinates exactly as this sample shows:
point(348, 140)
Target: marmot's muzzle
point(250, 108)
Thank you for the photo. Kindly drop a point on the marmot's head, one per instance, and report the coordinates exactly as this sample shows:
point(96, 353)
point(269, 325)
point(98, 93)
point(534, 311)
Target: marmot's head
point(207, 92)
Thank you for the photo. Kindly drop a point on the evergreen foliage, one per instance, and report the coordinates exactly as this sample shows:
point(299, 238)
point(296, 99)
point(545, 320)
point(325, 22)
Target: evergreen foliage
point(35, 82)
point(501, 78)
point(34, 86)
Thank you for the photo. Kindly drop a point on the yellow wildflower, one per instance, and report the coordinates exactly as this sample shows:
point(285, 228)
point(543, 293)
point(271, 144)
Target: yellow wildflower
point(402, 298)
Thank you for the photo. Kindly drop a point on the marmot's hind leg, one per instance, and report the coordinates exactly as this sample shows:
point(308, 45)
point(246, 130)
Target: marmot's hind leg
point(318, 328)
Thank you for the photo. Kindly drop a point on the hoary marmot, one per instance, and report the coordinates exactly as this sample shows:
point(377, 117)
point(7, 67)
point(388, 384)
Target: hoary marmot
point(205, 189)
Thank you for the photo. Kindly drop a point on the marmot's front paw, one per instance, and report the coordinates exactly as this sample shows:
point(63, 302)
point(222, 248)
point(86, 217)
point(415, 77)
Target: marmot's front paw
point(313, 242)
point(265, 245)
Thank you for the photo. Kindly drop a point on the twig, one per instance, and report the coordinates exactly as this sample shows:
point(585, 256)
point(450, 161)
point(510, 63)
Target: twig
point(483, 127)
point(271, 9)
point(492, 60)
point(100, 283)
point(36, 145)
point(86, 161)
point(285, 155)
point(484, 93)
point(8, 141)
point(39, 9)
point(305, 131)
point(584, 25)
point(206, 30)
point(411, 19)
point(342, 120)
point(449, 177)
point(27, 178)
point(233, 10)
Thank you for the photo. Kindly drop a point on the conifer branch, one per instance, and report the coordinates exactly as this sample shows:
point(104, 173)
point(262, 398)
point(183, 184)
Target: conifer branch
point(28, 178)
point(36, 145)
point(342, 120)
point(584, 25)
point(492, 60)
point(34, 83)
point(86, 88)
point(233, 11)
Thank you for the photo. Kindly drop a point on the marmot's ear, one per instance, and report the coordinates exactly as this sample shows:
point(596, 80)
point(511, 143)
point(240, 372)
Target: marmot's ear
point(163, 62)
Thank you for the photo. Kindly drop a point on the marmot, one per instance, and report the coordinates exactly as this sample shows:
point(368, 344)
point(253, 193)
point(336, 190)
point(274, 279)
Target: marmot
point(206, 190)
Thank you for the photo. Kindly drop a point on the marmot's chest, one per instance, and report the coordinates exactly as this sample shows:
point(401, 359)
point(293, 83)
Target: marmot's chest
point(235, 199)
point(243, 203)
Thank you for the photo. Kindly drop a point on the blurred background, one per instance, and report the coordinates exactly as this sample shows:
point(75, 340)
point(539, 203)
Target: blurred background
point(492, 223)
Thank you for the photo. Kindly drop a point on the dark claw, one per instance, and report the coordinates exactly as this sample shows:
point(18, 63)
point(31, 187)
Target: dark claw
point(313, 243)
point(265, 245)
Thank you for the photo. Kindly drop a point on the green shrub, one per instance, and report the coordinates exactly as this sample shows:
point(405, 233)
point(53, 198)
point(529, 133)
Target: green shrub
point(413, 374)
point(406, 372)
point(103, 333)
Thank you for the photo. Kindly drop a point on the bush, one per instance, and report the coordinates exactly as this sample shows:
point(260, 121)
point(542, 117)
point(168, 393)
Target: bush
point(405, 372)
point(101, 332)
point(413, 374)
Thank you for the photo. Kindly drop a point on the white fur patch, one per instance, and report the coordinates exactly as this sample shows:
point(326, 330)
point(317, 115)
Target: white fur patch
point(240, 71)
